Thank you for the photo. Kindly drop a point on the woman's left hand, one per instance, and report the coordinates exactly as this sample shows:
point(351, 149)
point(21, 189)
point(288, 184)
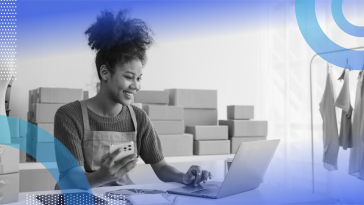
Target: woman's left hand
point(194, 176)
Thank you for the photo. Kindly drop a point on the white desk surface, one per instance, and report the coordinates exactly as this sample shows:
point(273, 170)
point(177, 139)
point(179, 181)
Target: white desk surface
point(181, 159)
point(265, 194)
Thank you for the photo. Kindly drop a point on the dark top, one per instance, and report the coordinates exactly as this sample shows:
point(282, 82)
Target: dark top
point(69, 130)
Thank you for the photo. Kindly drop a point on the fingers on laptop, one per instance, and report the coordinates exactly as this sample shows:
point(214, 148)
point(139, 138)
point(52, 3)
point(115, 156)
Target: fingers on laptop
point(198, 174)
point(205, 176)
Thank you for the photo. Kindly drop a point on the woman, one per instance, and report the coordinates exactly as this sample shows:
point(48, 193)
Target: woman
point(88, 128)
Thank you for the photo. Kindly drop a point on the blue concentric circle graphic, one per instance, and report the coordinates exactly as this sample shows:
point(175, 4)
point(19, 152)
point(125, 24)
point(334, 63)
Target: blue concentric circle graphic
point(318, 40)
point(342, 22)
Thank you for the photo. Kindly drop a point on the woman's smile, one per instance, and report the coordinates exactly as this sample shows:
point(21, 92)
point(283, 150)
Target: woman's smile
point(129, 95)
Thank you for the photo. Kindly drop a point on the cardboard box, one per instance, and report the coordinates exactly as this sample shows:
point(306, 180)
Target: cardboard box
point(44, 113)
point(191, 98)
point(44, 132)
point(9, 158)
point(45, 152)
point(85, 95)
point(9, 188)
point(13, 126)
point(208, 132)
point(59, 95)
point(169, 127)
point(22, 142)
point(211, 147)
point(194, 117)
point(246, 128)
point(236, 141)
point(156, 112)
point(152, 97)
point(240, 112)
point(139, 105)
point(177, 145)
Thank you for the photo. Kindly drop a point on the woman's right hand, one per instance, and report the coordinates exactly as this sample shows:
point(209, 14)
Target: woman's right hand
point(111, 170)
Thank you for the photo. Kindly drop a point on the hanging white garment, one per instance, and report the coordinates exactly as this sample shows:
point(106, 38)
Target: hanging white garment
point(361, 134)
point(330, 130)
point(343, 102)
point(355, 151)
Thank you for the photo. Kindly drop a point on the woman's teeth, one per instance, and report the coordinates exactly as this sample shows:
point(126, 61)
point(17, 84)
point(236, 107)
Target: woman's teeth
point(130, 95)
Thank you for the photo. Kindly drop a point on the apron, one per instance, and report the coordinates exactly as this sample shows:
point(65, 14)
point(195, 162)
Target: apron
point(96, 144)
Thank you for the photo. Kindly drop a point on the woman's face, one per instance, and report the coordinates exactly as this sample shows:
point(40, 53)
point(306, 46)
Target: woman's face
point(125, 82)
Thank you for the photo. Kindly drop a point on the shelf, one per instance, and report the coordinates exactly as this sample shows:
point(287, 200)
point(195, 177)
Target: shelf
point(195, 158)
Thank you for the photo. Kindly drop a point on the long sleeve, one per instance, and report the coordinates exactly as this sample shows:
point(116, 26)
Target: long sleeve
point(69, 145)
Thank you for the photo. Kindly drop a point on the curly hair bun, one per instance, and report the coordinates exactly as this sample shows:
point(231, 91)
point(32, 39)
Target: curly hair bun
point(120, 33)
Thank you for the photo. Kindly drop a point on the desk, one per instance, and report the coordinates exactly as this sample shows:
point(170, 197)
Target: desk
point(35, 177)
point(265, 194)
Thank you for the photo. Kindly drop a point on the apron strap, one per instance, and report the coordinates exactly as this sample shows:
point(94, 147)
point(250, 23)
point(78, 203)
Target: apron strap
point(132, 114)
point(86, 124)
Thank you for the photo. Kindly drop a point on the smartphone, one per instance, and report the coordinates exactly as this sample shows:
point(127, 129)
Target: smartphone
point(127, 148)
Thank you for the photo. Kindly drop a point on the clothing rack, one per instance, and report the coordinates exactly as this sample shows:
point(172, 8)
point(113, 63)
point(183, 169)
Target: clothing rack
point(312, 144)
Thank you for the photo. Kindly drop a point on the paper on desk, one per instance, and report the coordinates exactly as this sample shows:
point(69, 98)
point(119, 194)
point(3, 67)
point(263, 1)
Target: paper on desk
point(149, 199)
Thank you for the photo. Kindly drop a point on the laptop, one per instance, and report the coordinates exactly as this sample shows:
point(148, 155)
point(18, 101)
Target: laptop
point(245, 173)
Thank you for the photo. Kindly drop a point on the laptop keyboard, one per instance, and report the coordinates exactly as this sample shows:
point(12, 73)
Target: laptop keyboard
point(210, 191)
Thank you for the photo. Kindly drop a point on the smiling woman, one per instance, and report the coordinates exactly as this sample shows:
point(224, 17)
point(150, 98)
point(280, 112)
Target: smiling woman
point(90, 127)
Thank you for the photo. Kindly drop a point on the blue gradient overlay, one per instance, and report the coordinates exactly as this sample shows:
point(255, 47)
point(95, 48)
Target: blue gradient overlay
point(342, 22)
point(46, 27)
point(58, 26)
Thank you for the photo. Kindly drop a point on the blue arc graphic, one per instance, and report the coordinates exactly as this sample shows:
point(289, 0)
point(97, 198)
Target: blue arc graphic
point(319, 42)
point(32, 131)
point(342, 22)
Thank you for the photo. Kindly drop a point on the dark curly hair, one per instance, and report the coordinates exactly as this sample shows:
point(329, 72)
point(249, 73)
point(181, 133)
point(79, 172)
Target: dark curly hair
point(118, 40)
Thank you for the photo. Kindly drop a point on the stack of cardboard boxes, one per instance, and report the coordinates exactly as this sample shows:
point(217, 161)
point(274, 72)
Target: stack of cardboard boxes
point(43, 105)
point(200, 116)
point(209, 140)
point(9, 173)
point(167, 121)
point(199, 106)
point(241, 126)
